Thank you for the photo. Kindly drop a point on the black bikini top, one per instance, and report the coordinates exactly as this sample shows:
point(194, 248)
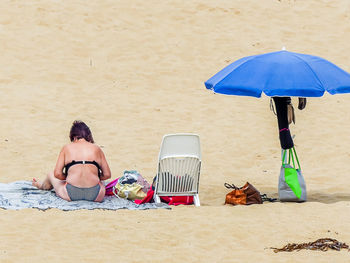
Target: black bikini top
point(68, 165)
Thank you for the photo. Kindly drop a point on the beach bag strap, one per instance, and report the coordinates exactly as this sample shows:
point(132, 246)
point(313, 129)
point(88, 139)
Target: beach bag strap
point(296, 157)
point(284, 157)
point(291, 154)
point(265, 198)
point(230, 186)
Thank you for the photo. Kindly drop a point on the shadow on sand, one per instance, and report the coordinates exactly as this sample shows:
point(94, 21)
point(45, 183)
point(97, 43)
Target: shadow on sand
point(327, 198)
point(312, 196)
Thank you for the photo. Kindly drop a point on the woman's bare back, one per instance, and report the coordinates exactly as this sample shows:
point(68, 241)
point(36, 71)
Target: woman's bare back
point(82, 175)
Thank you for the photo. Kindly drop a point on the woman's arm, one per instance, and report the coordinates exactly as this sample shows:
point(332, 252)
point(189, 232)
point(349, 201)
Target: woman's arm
point(106, 172)
point(58, 172)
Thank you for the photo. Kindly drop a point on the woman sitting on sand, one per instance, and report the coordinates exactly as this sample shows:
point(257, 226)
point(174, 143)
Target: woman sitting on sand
point(80, 167)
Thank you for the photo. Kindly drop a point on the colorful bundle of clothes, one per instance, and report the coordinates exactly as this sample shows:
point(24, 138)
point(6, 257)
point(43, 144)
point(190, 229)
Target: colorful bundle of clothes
point(134, 187)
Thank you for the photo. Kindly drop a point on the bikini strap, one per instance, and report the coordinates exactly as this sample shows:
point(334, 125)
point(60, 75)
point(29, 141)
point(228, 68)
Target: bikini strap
point(68, 165)
point(97, 165)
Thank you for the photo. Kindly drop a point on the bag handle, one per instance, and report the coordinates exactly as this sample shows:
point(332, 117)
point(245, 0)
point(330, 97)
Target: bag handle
point(289, 156)
point(291, 153)
point(284, 157)
point(230, 186)
point(296, 157)
point(264, 198)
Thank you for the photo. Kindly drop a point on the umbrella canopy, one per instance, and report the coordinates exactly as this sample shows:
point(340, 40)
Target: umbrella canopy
point(281, 73)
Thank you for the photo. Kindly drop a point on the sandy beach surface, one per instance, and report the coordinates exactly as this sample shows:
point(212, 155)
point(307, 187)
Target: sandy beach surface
point(134, 71)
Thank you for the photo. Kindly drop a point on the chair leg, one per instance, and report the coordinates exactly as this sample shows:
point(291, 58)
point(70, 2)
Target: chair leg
point(157, 199)
point(196, 200)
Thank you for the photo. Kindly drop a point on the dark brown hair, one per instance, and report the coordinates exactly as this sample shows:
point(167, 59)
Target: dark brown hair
point(80, 130)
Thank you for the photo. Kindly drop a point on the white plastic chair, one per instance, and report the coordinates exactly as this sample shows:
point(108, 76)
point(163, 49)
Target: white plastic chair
point(178, 167)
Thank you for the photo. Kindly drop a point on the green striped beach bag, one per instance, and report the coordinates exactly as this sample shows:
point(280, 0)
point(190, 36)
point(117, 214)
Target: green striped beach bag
point(291, 184)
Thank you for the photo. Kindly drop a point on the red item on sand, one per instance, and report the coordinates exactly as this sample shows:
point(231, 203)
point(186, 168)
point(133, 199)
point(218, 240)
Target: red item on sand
point(147, 199)
point(170, 200)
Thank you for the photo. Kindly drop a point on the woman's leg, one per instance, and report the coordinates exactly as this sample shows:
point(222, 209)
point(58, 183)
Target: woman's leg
point(52, 182)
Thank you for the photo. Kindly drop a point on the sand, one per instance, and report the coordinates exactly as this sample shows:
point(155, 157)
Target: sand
point(134, 71)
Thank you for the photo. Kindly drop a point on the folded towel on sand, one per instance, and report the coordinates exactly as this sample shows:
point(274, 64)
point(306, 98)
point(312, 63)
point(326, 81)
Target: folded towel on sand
point(22, 194)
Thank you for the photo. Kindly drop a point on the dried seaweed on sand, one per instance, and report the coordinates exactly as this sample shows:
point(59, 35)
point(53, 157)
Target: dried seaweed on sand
point(322, 244)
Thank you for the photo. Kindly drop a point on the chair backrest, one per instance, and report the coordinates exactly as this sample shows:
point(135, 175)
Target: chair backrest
point(179, 165)
point(182, 144)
